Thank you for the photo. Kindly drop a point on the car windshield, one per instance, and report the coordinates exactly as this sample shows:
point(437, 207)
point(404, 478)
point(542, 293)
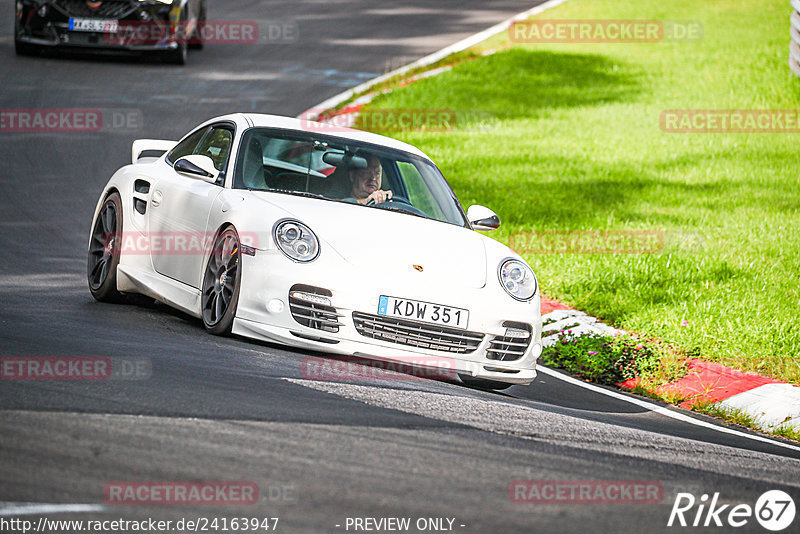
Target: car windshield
point(345, 171)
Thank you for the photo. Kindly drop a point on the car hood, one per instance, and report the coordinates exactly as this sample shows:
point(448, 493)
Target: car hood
point(380, 243)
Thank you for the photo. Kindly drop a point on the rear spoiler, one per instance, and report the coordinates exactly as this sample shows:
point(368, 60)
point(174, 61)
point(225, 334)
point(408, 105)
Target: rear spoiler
point(148, 145)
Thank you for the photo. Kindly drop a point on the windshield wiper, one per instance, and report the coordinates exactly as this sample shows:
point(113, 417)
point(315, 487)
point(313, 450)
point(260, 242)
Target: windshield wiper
point(306, 194)
point(290, 192)
point(398, 209)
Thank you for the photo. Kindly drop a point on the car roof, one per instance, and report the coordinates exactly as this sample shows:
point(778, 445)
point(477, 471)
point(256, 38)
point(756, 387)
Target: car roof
point(308, 126)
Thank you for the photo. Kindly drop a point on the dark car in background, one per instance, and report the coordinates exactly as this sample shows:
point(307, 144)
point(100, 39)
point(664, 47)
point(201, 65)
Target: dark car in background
point(165, 27)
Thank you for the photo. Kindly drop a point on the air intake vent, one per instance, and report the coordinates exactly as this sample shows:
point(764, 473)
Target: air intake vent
point(108, 9)
point(311, 307)
point(416, 334)
point(511, 346)
point(141, 186)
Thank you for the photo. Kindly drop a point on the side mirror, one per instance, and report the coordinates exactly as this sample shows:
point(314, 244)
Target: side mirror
point(482, 218)
point(197, 167)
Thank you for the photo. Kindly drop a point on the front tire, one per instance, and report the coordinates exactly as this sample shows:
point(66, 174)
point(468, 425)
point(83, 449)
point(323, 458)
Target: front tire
point(198, 43)
point(104, 251)
point(483, 383)
point(24, 49)
point(221, 283)
point(179, 55)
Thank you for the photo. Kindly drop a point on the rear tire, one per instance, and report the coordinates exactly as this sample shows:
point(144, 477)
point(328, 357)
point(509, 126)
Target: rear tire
point(104, 251)
point(483, 383)
point(221, 283)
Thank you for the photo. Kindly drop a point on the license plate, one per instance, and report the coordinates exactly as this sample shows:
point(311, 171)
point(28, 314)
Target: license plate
point(94, 25)
point(426, 312)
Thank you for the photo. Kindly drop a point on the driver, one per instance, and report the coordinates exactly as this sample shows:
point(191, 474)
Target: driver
point(365, 183)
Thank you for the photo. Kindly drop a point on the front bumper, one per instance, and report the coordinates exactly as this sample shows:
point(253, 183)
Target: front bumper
point(85, 40)
point(264, 313)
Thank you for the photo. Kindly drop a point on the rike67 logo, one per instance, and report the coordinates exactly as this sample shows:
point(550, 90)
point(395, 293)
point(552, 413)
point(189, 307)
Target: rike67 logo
point(774, 511)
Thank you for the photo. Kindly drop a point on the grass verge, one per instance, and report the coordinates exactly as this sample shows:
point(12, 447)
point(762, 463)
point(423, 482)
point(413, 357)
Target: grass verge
point(741, 418)
point(602, 359)
point(566, 137)
point(612, 360)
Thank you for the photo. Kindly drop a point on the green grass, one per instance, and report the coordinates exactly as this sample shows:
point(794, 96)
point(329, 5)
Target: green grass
point(787, 432)
point(601, 358)
point(731, 415)
point(567, 137)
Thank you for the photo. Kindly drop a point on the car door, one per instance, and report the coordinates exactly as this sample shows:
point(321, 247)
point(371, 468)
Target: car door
point(181, 206)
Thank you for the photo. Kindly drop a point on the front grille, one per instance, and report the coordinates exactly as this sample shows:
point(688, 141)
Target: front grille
point(109, 9)
point(313, 314)
point(507, 348)
point(416, 334)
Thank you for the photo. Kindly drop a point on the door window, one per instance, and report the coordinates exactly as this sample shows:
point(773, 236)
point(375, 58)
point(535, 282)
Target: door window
point(217, 146)
point(187, 146)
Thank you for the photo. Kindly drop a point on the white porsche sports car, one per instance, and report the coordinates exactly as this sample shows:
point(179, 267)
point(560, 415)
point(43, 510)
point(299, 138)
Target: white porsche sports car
point(331, 239)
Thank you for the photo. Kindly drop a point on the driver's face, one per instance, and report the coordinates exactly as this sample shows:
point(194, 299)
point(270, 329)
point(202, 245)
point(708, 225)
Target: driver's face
point(366, 181)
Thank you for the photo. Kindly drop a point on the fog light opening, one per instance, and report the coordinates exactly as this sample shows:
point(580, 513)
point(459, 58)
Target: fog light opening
point(275, 306)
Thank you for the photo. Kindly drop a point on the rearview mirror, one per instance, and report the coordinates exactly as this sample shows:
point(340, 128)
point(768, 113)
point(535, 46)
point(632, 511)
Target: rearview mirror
point(482, 218)
point(337, 159)
point(196, 166)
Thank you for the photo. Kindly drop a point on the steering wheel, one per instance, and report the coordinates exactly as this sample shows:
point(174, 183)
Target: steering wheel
point(402, 203)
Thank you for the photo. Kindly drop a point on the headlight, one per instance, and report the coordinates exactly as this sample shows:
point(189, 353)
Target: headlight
point(517, 279)
point(296, 240)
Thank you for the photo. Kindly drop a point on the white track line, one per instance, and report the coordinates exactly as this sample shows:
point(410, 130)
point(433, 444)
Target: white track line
point(314, 112)
point(37, 508)
point(661, 410)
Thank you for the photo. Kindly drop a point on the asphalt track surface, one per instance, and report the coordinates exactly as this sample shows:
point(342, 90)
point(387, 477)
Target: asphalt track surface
point(229, 409)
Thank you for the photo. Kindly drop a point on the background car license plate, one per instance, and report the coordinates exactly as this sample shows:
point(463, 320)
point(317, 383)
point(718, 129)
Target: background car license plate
point(94, 25)
point(423, 311)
